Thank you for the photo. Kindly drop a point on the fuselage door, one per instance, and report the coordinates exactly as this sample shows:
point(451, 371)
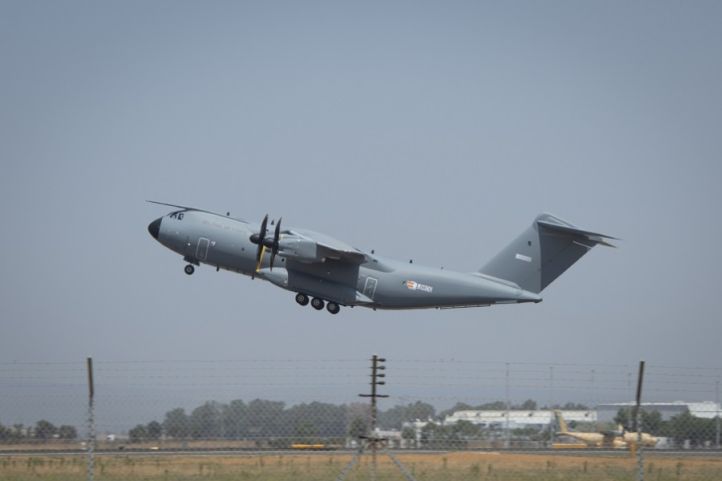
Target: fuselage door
point(202, 249)
point(370, 287)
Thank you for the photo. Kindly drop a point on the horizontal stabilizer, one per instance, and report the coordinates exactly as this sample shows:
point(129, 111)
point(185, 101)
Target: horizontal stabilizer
point(555, 224)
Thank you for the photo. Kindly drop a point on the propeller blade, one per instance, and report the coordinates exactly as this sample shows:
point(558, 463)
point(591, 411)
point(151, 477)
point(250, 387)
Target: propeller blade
point(276, 237)
point(264, 223)
point(258, 239)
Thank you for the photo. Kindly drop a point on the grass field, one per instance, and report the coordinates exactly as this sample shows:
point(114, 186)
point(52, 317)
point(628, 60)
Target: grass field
point(461, 466)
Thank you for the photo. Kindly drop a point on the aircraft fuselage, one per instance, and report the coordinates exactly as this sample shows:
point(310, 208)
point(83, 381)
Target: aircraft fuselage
point(225, 243)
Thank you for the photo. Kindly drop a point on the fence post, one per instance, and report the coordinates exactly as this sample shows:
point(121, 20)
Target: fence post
point(91, 421)
point(507, 442)
point(717, 407)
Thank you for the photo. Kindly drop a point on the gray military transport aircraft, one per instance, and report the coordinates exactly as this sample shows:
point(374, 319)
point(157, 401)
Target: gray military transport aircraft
point(328, 272)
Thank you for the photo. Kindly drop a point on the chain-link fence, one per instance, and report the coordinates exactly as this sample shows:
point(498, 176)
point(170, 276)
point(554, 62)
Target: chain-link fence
point(304, 419)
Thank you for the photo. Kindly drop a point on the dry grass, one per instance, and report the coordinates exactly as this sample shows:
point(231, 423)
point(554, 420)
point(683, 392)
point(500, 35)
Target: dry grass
point(318, 467)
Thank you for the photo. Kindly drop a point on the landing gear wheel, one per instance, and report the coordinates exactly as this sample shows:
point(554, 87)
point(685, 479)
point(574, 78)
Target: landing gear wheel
point(302, 299)
point(317, 303)
point(333, 308)
point(189, 269)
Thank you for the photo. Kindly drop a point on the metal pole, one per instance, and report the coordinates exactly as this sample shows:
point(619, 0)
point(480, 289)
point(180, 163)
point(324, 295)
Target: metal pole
point(629, 382)
point(91, 420)
point(638, 422)
point(716, 438)
point(594, 397)
point(508, 408)
point(551, 387)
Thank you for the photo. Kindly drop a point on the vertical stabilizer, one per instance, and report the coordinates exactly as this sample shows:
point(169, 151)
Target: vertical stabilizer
point(542, 253)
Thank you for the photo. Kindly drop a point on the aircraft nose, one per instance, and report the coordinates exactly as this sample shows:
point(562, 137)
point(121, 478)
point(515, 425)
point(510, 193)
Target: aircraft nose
point(154, 227)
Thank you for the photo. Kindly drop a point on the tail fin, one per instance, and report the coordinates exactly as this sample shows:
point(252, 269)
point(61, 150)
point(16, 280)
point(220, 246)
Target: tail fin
point(563, 429)
point(542, 253)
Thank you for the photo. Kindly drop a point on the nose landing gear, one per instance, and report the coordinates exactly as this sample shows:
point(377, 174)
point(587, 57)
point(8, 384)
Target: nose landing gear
point(189, 269)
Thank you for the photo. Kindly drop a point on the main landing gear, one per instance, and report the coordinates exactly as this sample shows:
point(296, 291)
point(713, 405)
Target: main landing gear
point(332, 307)
point(318, 303)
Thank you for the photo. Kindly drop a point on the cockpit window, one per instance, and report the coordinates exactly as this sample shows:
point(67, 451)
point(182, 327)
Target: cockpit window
point(176, 215)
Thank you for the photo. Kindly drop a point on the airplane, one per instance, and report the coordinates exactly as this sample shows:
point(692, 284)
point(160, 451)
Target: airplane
point(619, 439)
point(328, 272)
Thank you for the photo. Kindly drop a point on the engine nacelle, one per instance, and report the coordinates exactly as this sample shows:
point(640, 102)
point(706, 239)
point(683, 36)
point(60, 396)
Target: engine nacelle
point(302, 250)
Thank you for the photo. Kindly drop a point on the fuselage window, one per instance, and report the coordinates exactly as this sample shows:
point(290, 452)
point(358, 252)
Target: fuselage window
point(176, 215)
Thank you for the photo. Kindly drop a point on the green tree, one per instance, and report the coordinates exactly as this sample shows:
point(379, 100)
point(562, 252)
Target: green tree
point(455, 408)
point(18, 432)
point(306, 432)
point(177, 424)
point(397, 415)
point(154, 430)
point(45, 430)
point(235, 422)
point(686, 427)
point(67, 432)
point(652, 422)
point(138, 434)
point(266, 418)
point(453, 436)
point(529, 405)
point(357, 428)
point(205, 421)
point(328, 420)
point(409, 434)
point(623, 417)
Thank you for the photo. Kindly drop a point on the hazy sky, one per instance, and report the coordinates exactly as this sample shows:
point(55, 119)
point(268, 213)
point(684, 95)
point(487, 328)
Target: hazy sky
point(426, 130)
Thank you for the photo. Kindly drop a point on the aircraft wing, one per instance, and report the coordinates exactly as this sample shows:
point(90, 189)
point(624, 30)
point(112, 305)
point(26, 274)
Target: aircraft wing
point(326, 248)
point(333, 252)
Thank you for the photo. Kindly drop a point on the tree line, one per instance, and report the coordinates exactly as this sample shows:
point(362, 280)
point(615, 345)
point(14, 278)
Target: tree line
point(43, 430)
point(264, 419)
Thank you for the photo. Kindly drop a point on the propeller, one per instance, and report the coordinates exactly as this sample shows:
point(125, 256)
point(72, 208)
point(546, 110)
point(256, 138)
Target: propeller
point(262, 241)
point(274, 243)
point(259, 239)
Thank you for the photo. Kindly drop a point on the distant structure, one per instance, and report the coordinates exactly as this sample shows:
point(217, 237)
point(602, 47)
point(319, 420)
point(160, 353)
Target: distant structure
point(704, 409)
point(519, 418)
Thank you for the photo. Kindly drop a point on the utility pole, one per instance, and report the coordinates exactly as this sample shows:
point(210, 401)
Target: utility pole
point(376, 380)
point(372, 440)
point(91, 420)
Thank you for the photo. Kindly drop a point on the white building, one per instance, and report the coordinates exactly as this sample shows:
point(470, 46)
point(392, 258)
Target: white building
point(704, 409)
point(519, 418)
